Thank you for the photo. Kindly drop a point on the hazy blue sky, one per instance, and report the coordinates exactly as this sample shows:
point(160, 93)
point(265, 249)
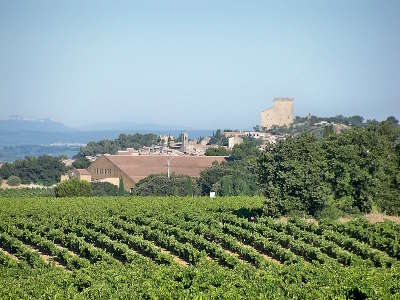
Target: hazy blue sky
point(201, 64)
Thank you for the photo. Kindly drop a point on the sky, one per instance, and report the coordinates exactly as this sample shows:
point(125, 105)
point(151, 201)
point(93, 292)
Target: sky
point(197, 64)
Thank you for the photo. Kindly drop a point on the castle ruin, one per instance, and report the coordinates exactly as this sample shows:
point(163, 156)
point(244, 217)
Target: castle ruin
point(280, 114)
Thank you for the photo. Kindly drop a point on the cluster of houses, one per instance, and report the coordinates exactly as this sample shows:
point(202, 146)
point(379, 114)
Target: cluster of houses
point(186, 157)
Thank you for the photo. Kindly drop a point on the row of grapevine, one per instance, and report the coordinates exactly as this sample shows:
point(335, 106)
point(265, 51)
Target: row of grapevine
point(199, 242)
point(69, 241)
point(381, 236)
point(330, 248)
point(184, 250)
point(214, 234)
point(20, 250)
point(48, 247)
point(135, 242)
point(380, 259)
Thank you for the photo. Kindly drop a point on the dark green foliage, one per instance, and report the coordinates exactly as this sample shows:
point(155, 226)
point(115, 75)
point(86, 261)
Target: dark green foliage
point(81, 163)
point(46, 170)
point(104, 189)
point(220, 151)
point(161, 185)
point(249, 148)
point(229, 179)
point(73, 188)
point(339, 119)
point(357, 169)
point(365, 166)
point(122, 142)
point(392, 120)
point(235, 177)
point(121, 187)
point(293, 175)
point(27, 192)
point(328, 130)
point(219, 139)
point(13, 180)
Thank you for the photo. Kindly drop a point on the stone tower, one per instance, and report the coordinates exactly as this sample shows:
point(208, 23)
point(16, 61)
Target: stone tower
point(185, 142)
point(280, 114)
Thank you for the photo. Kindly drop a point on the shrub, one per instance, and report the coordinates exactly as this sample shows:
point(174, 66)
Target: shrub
point(81, 163)
point(73, 188)
point(104, 189)
point(220, 151)
point(14, 181)
point(161, 185)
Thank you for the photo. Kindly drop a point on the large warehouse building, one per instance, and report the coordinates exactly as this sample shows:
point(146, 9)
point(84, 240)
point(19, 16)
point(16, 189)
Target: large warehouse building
point(134, 168)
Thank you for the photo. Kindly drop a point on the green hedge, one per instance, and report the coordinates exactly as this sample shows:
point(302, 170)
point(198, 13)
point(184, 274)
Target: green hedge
point(73, 188)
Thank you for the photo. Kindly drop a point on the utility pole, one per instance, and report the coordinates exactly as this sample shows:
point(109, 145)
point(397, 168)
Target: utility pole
point(169, 158)
point(168, 165)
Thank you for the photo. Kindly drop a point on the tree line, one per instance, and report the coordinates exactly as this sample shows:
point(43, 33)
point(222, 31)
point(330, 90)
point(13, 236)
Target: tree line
point(356, 171)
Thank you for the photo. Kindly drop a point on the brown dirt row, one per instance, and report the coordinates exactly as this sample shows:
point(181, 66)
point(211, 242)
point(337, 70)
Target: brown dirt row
point(49, 258)
point(176, 259)
point(266, 257)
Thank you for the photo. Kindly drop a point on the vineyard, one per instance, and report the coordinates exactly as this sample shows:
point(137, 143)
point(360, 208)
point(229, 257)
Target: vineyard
point(188, 248)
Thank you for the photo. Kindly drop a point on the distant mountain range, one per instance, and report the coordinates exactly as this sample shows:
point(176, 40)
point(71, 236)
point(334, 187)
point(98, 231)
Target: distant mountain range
point(17, 124)
point(17, 131)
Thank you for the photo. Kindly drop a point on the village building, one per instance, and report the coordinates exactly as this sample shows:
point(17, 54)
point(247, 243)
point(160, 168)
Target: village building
point(134, 168)
point(234, 140)
point(81, 174)
point(128, 151)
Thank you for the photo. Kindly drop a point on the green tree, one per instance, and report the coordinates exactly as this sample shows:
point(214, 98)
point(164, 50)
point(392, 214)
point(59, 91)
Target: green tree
point(73, 188)
point(249, 148)
point(104, 189)
point(189, 186)
point(219, 151)
point(392, 120)
point(161, 185)
point(328, 130)
point(293, 175)
point(81, 163)
point(46, 170)
point(13, 181)
point(121, 189)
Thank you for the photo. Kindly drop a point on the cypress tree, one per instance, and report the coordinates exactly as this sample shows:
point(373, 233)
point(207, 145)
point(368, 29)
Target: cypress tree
point(121, 190)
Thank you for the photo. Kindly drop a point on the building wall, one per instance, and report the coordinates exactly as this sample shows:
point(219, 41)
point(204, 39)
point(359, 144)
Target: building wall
point(87, 178)
point(103, 170)
point(281, 113)
point(234, 140)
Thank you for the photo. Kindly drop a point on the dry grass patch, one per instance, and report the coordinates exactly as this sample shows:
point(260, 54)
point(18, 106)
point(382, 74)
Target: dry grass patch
point(377, 218)
point(344, 220)
point(282, 220)
point(310, 221)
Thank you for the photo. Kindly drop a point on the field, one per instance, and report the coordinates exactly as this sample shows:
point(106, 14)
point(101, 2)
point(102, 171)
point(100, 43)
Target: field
point(188, 248)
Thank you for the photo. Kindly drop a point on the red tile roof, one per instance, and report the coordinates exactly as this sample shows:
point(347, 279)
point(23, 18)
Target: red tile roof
point(138, 167)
